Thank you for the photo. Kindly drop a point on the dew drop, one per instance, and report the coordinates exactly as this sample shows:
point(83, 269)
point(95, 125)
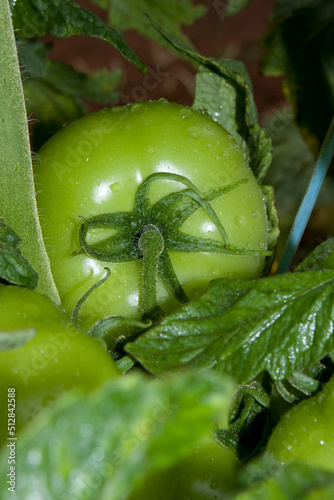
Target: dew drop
point(240, 220)
point(186, 113)
point(194, 132)
point(151, 151)
point(118, 125)
point(214, 484)
point(138, 108)
point(117, 110)
point(116, 186)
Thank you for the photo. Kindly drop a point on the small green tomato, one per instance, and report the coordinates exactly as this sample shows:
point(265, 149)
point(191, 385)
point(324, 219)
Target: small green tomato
point(58, 358)
point(209, 473)
point(306, 432)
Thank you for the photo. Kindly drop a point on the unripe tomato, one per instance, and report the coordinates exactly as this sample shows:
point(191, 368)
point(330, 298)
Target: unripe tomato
point(306, 432)
point(94, 166)
point(58, 358)
point(209, 473)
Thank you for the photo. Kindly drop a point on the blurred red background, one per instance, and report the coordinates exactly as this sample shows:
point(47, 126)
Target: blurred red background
point(238, 37)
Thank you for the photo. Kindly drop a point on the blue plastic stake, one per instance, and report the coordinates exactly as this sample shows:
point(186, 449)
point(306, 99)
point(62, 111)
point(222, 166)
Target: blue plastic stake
point(305, 209)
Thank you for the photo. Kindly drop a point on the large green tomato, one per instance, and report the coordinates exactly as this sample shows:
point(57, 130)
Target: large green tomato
point(58, 358)
point(95, 165)
point(306, 432)
point(209, 473)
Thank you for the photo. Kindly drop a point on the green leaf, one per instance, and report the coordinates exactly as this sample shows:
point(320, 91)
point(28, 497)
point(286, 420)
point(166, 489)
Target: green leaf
point(224, 91)
point(98, 87)
point(15, 339)
point(292, 164)
point(273, 226)
point(276, 324)
point(267, 479)
point(14, 268)
point(171, 15)
point(300, 46)
point(100, 446)
point(321, 258)
point(56, 93)
point(64, 18)
point(233, 7)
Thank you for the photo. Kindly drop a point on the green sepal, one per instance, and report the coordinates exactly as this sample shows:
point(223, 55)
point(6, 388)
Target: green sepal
point(169, 278)
point(175, 208)
point(116, 330)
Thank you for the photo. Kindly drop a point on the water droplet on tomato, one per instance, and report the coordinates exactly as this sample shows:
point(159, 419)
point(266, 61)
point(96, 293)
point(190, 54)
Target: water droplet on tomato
point(186, 113)
point(214, 483)
point(194, 132)
point(138, 108)
point(117, 109)
point(118, 125)
point(240, 220)
point(116, 186)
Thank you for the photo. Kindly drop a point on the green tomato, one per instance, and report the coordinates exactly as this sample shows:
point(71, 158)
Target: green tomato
point(209, 473)
point(95, 165)
point(58, 358)
point(306, 432)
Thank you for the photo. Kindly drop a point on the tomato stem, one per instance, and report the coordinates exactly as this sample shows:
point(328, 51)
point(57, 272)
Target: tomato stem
point(151, 244)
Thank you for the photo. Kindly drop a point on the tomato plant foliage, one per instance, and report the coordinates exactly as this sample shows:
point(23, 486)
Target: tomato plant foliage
point(153, 227)
point(40, 367)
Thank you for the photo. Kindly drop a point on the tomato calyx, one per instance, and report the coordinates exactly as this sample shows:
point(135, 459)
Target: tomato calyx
point(151, 245)
point(150, 231)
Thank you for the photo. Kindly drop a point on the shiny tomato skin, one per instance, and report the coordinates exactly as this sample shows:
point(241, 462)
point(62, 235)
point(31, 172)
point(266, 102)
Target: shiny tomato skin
point(209, 473)
point(60, 357)
point(94, 165)
point(305, 433)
